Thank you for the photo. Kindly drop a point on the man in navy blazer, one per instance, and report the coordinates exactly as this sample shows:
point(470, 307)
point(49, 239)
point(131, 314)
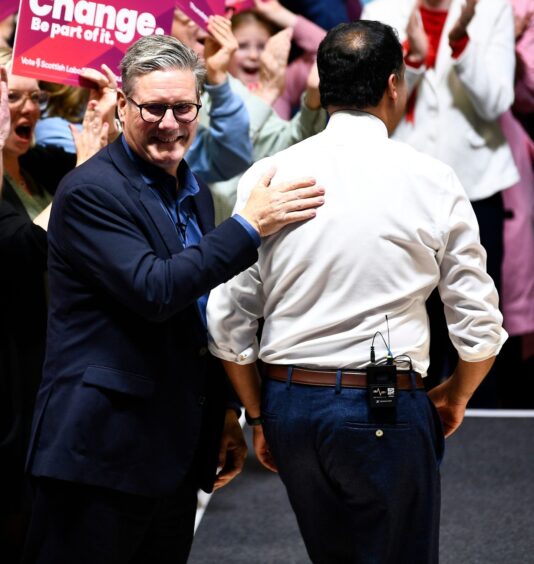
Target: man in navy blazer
point(133, 414)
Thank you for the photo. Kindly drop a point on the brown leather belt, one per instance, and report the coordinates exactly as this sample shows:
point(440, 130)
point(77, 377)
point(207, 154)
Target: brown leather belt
point(349, 378)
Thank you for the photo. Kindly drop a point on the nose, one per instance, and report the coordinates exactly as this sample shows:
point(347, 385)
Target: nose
point(168, 121)
point(254, 53)
point(28, 105)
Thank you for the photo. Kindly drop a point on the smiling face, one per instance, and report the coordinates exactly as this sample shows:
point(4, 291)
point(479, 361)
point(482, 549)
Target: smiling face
point(245, 64)
point(163, 144)
point(24, 116)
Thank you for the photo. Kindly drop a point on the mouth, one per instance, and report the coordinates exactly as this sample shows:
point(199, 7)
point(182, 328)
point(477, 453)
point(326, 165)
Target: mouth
point(250, 74)
point(166, 140)
point(24, 132)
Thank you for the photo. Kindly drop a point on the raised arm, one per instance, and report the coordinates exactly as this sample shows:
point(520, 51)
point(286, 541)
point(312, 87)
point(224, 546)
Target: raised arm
point(222, 147)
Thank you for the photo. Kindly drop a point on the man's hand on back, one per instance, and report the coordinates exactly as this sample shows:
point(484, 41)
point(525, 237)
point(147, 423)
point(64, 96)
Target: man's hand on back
point(270, 208)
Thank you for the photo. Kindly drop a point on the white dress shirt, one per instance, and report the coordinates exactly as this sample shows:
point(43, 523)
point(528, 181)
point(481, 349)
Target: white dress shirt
point(395, 224)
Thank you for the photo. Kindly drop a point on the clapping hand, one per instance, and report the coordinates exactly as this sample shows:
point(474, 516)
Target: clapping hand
point(417, 37)
point(94, 134)
point(273, 65)
point(103, 92)
point(459, 29)
point(219, 48)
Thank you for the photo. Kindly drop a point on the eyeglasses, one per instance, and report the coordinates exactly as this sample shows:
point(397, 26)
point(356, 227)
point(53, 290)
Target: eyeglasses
point(183, 112)
point(36, 97)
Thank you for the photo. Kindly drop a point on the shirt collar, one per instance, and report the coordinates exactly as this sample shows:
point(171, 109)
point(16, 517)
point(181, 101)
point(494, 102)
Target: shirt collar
point(342, 122)
point(156, 177)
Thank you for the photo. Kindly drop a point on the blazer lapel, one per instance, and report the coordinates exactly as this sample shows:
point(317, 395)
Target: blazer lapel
point(162, 224)
point(161, 221)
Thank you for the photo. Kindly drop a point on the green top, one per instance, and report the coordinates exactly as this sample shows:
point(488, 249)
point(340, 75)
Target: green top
point(33, 203)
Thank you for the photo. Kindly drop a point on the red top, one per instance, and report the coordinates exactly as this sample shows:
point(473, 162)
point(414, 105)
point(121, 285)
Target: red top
point(433, 24)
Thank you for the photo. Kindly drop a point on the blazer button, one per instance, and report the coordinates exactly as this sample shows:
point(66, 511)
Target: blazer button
point(202, 351)
point(201, 400)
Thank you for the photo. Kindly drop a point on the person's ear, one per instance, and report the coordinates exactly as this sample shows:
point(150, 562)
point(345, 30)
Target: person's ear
point(393, 87)
point(122, 102)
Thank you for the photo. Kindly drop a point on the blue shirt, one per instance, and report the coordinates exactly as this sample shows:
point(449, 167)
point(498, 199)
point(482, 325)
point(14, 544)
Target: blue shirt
point(223, 149)
point(178, 205)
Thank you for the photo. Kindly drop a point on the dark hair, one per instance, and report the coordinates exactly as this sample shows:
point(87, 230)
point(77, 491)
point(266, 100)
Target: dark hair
point(355, 61)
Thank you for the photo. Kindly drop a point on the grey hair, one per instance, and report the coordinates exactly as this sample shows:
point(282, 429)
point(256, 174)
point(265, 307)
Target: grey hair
point(159, 52)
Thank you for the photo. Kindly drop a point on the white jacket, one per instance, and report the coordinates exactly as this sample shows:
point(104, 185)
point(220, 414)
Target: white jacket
point(459, 101)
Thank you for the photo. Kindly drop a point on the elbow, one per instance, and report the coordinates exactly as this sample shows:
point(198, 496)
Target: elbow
point(497, 106)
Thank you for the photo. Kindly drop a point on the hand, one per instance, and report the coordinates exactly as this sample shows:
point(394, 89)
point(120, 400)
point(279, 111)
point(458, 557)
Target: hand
point(94, 134)
point(313, 96)
point(273, 65)
point(5, 116)
point(262, 449)
point(276, 13)
point(270, 208)
point(104, 93)
point(451, 407)
point(219, 48)
point(459, 29)
point(417, 37)
point(233, 450)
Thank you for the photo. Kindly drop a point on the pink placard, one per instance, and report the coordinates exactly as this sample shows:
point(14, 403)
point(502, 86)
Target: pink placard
point(56, 39)
point(8, 8)
point(218, 6)
point(197, 10)
point(239, 5)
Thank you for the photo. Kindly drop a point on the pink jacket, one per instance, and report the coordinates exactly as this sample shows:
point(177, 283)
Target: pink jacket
point(517, 294)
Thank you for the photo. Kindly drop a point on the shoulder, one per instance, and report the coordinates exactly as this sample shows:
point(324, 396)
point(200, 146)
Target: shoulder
point(413, 160)
point(101, 167)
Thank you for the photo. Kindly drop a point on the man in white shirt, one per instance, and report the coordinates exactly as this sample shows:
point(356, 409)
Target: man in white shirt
point(359, 458)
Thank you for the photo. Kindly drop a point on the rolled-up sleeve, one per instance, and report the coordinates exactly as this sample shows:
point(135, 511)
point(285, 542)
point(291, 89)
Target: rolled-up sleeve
point(233, 312)
point(468, 293)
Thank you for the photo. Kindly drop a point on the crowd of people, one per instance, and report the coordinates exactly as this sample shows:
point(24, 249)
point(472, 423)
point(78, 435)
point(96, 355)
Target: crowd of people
point(469, 73)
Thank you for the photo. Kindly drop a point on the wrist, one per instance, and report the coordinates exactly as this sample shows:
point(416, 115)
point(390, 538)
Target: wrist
point(251, 219)
point(284, 18)
point(312, 99)
point(215, 77)
point(253, 421)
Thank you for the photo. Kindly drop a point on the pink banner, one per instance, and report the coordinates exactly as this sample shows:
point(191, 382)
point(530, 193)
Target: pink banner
point(8, 8)
point(197, 10)
point(56, 39)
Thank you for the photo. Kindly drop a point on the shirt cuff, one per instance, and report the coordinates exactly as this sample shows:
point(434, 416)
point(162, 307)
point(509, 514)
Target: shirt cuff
point(248, 228)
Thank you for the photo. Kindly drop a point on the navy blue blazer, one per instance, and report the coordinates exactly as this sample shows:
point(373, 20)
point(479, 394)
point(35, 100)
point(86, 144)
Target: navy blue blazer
point(131, 399)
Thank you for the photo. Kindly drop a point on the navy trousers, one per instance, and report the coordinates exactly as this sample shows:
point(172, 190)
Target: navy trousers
point(365, 486)
point(80, 524)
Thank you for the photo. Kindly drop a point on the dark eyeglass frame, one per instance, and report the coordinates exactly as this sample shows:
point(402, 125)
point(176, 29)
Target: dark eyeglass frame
point(174, 107)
